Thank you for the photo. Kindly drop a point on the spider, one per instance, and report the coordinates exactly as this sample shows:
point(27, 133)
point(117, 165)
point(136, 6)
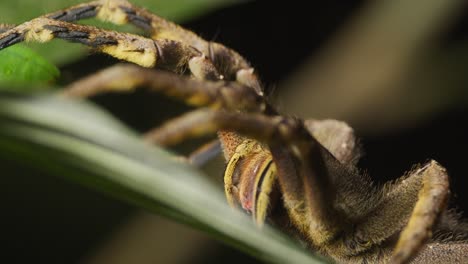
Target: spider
point(299, 175)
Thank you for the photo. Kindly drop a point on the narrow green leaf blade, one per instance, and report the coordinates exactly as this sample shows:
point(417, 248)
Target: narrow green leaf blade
point(81, 143)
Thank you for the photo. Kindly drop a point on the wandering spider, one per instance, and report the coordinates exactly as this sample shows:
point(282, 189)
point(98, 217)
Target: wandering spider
point(299, 175)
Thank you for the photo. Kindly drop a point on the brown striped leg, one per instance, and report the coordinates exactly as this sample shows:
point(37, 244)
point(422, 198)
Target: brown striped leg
point(231, 64)
point(169, 54)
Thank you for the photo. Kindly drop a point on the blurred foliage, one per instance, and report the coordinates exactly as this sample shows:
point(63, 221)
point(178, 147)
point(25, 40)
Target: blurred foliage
point(23, 65)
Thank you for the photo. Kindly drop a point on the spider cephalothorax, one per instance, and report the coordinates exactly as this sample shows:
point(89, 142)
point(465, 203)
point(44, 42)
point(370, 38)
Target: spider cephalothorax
point(300, 175)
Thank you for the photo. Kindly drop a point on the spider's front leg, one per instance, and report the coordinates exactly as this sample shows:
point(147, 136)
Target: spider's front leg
point(231, 64)
point(169, 54)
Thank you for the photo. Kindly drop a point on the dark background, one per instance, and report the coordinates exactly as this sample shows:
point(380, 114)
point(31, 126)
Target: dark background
point(47, 220)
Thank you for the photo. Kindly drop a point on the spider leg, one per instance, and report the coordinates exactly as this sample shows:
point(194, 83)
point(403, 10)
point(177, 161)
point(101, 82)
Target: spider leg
point(127, 77)
point(413, 204)
point(177, 129)
point(162, 136)
point(169, 54)
point(123, 12)
point(432, 200)
point(231, 64)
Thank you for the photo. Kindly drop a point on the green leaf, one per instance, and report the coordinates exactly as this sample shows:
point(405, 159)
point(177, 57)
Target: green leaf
point(23, 65)
point(99, 152)
point(60, 52)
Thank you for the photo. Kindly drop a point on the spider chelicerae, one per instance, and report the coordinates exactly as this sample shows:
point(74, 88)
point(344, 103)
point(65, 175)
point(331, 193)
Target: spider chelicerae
point(299, 175)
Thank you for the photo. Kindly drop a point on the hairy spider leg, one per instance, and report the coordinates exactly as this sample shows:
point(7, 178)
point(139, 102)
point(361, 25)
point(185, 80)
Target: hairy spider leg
point(432, 200)
point(230, 64)
point(127, 77)
point(169, 54)
point(425, 191)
